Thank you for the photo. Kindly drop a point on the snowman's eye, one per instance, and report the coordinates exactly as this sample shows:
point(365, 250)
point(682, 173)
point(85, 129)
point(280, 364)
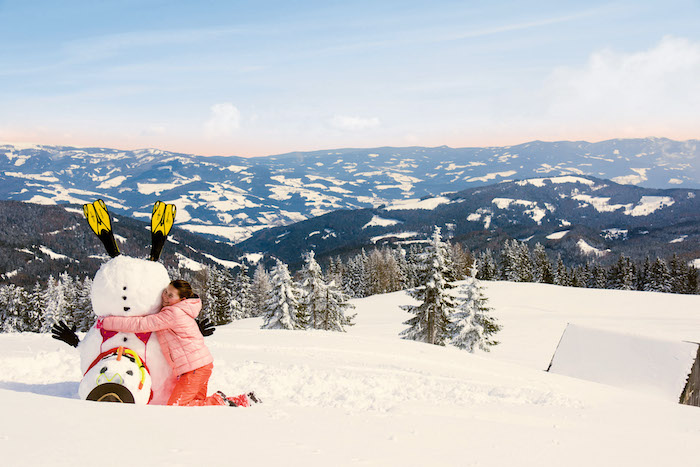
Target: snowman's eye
point(130, 373)
point(103, 369)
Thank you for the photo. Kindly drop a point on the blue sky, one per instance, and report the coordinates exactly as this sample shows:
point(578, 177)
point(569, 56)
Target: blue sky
point(268, 77)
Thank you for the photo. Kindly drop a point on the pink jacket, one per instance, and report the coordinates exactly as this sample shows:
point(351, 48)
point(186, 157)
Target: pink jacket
point(177, 331)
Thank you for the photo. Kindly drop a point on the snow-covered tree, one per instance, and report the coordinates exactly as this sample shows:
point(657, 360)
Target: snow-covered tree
point(260, 290)
point(242, 292)
point(54, 304)
point(313, 292)
point(13, 300)
point(218, 302)
point(281, 309)
point(356, 278)
point(471, 326)
point(622, 274)
point(542, 267)
point(486, 266)
point(335, 313)
point(432, 316)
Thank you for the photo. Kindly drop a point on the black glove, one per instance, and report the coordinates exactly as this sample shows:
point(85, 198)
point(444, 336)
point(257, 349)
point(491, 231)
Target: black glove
point(62, 332)
point(206, 327)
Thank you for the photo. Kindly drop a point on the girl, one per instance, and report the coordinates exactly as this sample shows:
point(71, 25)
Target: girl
point(182, 344)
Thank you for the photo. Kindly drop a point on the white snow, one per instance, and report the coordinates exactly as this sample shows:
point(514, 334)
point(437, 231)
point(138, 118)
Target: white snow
point(428, 203)
point(394, 235)
point(224, 262)
point(557, 235)
point(587, 249)
point(540, 182)
point(185, 262)
point(381, 222)
point(52, 254)
point(679, 239)
point(623, 360)
point(369, 398)
point(649, 204)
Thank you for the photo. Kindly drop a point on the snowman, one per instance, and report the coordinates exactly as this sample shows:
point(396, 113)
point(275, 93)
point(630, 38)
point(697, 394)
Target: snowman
point(122, 366)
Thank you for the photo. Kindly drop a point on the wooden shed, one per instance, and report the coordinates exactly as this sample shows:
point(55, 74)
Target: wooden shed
point(667, 369)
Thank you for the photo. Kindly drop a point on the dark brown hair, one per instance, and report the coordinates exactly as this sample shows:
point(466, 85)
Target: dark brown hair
point(184, 290)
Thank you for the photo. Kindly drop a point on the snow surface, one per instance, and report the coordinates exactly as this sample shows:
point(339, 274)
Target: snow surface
point(367, 397)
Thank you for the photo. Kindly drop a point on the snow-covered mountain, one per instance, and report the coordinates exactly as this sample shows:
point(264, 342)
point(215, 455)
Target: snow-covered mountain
point(233, 197)
point(578, 216)
point(369, 398)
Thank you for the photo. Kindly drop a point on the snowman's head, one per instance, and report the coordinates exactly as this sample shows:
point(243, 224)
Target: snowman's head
point(126, 286)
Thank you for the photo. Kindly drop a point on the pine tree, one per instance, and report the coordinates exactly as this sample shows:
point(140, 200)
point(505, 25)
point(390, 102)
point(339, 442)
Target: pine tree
point(54, 304)
point(461, 260)
point(313, 292)
point(336, 306)
point(659, 277)
point(35, 308)
point(471, 327)
point(356, 280)
point(622, 274)
point(85, 317)
point(260, 291)
point(542, 266)
point(242, 292)
point(282, 307)
point(486, 266)
point(432, 316)
point(561, 276)
point(13, 300)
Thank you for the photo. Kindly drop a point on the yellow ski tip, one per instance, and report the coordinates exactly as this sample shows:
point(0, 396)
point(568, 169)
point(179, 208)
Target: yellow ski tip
point(163, 218)
point(98, 217)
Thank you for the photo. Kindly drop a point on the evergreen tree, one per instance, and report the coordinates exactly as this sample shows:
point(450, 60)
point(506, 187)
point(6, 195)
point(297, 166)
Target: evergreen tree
point(486, 266)
point(85, 317)
point(334, 316)
point(509, 262)
point(561, 277)
point(622, 274)
point(542, 267)
point(242, 292)
point(54, 304)
point(281, 309)
point(13, 300)
point(461, 260)
point(261, 289)
point(313, 292)
point(471, 327)
point(432, 316)
point(356, 280)
point(35, 308)
point(659, 277)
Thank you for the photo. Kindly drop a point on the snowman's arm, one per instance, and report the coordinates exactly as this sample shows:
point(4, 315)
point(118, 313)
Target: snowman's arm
point(63, 333)
point(206, 327)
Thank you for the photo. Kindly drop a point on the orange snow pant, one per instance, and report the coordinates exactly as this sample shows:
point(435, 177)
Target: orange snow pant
point(191, 389)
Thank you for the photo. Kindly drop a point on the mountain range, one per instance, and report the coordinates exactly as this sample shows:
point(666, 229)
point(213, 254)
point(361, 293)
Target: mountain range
point(233, 197)
point(582, 200)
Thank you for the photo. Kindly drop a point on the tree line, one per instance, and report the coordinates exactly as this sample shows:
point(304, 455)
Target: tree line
point(318, 298)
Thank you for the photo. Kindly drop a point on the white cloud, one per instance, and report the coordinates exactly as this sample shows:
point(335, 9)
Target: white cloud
point(643, 88)
point(344, 122)
point(225, 119)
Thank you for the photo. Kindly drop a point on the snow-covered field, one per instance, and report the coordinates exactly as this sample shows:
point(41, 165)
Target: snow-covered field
point(369, 398)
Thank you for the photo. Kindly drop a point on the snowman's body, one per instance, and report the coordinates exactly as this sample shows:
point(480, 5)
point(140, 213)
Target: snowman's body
point(126, 286)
